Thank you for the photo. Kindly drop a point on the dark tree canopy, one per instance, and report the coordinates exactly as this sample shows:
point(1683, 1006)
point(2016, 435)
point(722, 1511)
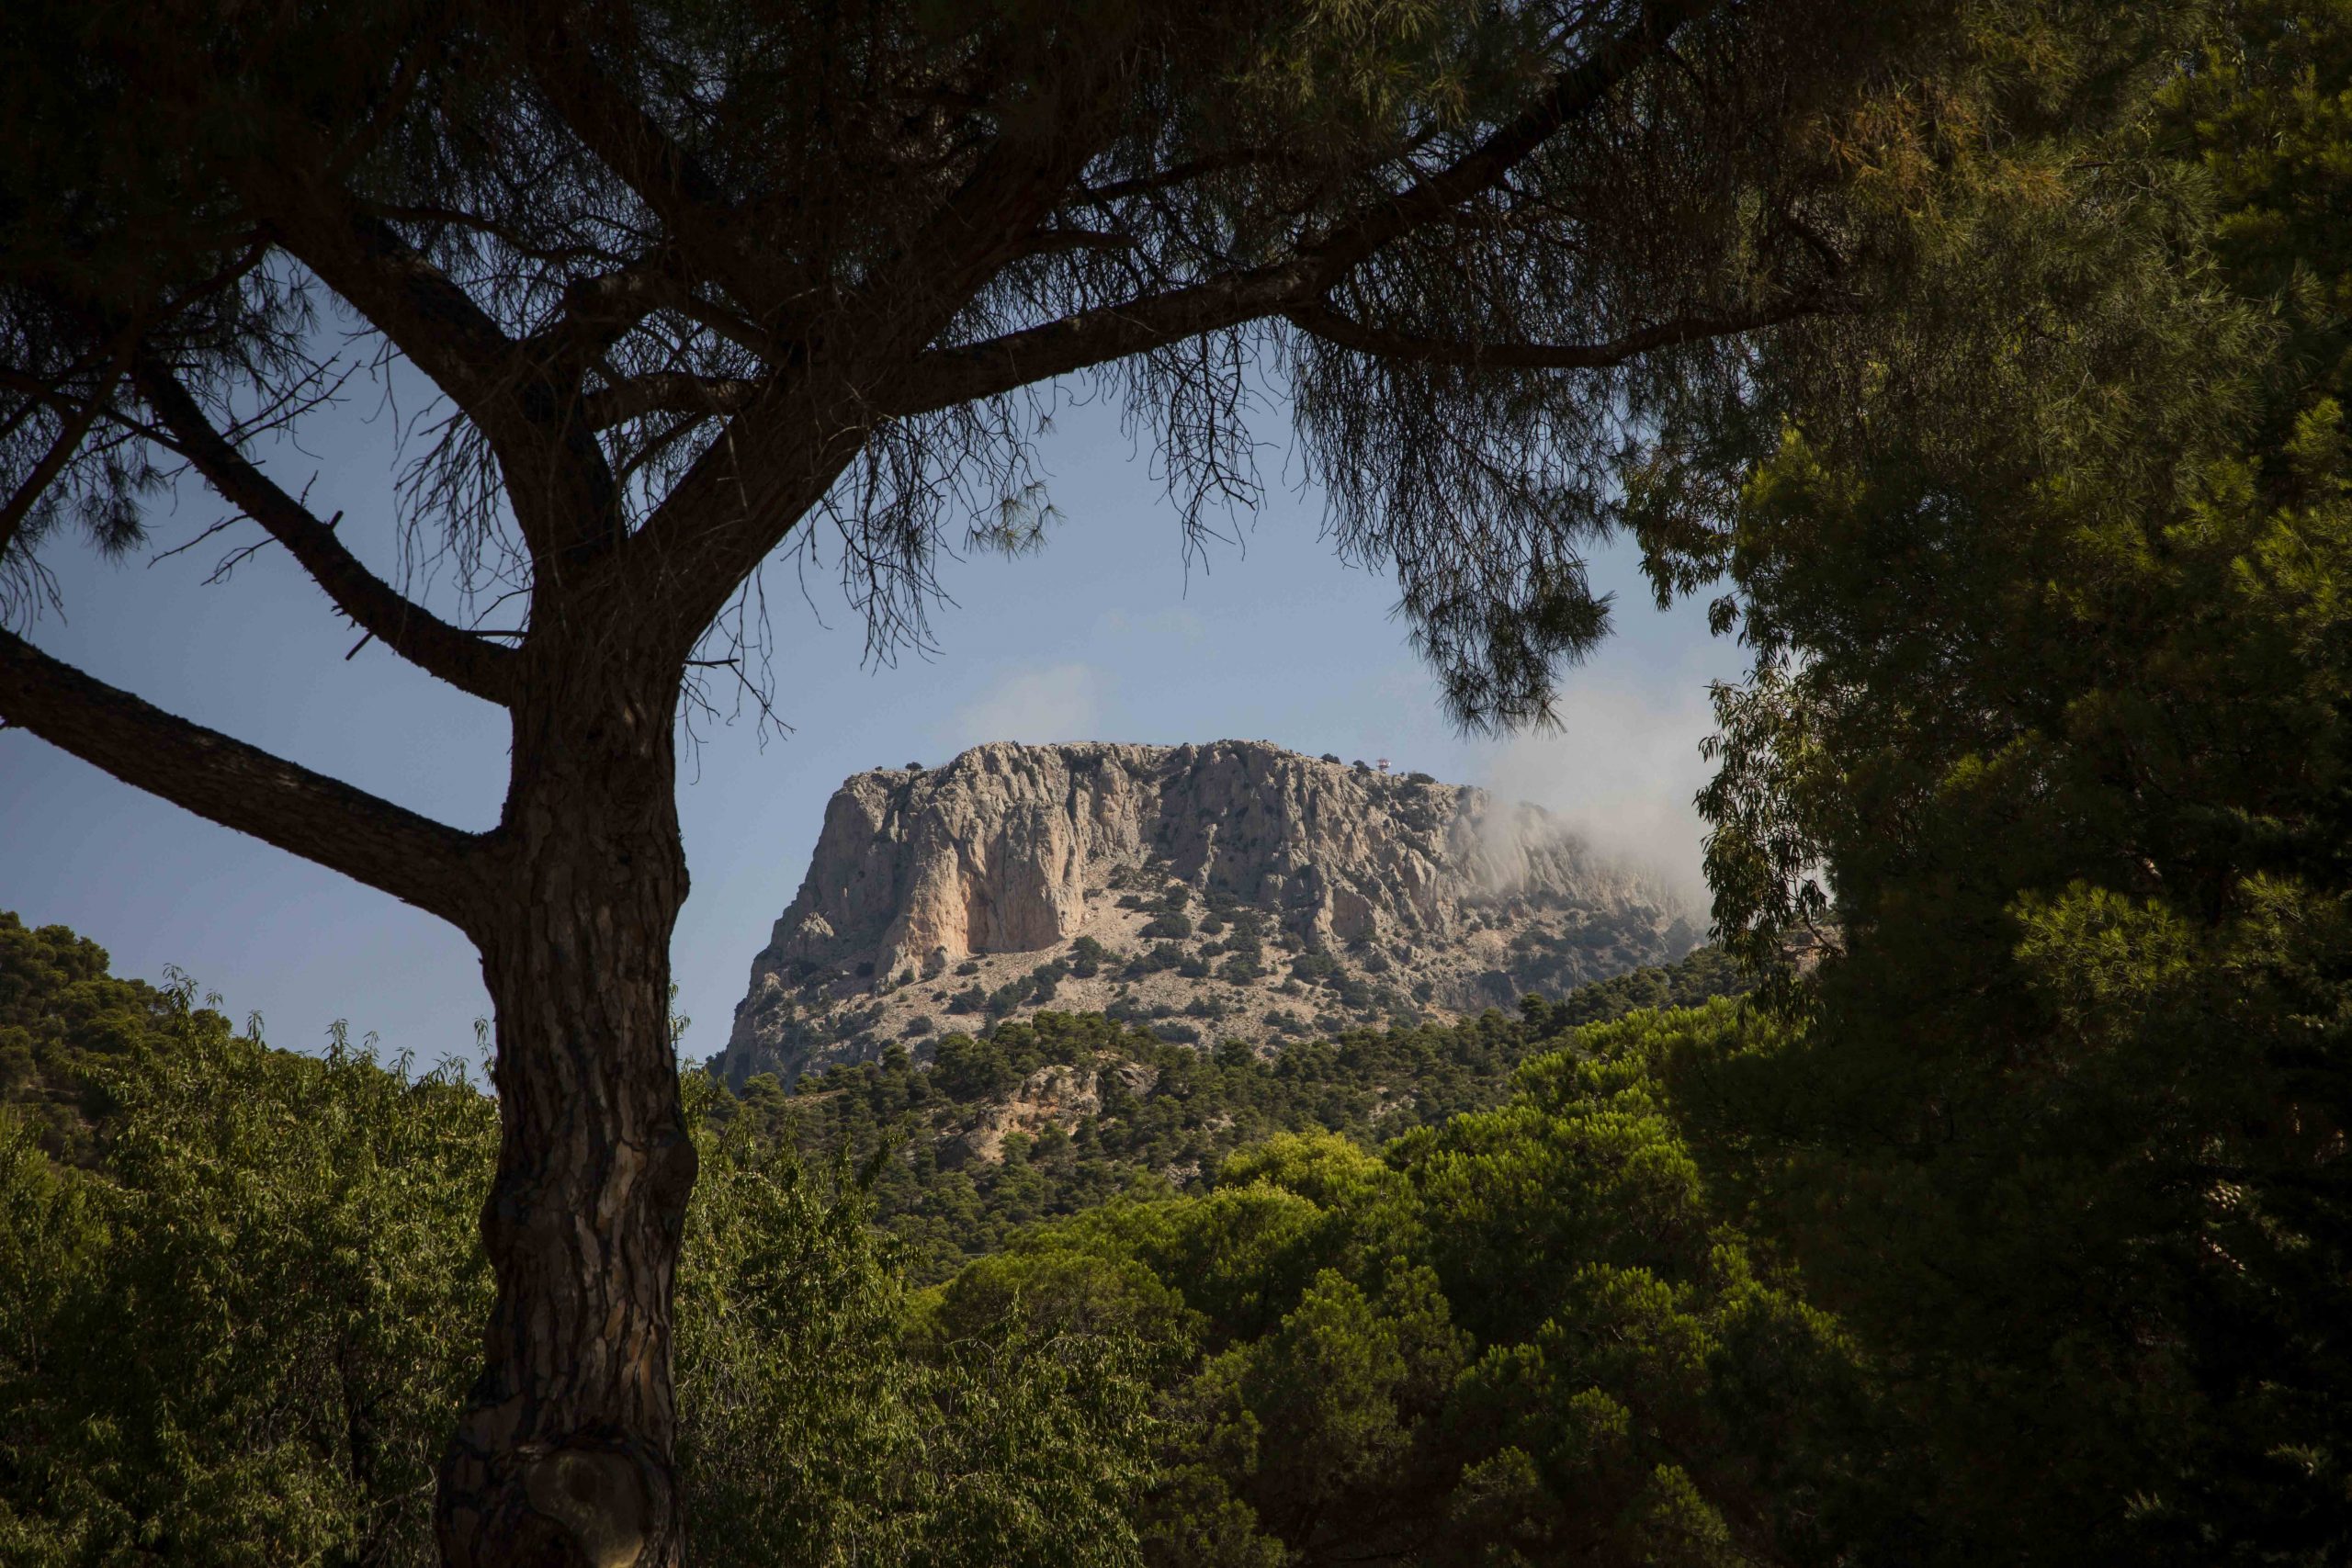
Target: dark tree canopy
point(691, 277)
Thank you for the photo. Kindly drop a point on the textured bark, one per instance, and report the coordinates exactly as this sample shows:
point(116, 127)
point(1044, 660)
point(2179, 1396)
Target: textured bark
point(563, 1457)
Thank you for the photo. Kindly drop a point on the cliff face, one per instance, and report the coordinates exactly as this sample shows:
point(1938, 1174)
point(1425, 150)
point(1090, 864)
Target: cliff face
point(1215, 882)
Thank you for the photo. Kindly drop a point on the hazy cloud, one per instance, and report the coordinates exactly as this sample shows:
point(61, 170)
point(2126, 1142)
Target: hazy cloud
point(1621, 770)
point(1055, 702)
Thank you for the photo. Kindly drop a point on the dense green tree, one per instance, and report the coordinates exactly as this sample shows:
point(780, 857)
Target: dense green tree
point(230, 1340)
point(1521, 1336)
point(818, 1425)
point(236, 1333)
point(62, 1014)
point(2051, 726)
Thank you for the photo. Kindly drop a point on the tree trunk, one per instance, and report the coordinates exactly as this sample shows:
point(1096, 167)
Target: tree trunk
point(563, 1457)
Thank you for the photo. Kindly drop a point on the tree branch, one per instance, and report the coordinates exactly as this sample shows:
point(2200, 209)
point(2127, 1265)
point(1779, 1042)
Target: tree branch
point(1333, 327)
point(412, 858)
point(597, 313)
point(561, 489)
point(941, 377)
point(619, 133)
point(667, 392)
point(770, 465)
point(418, 307)
point(992, 217)
point(76, 425)
point(1572, 94)
point(465, 661)
point(1175, 174)
point(763, 473)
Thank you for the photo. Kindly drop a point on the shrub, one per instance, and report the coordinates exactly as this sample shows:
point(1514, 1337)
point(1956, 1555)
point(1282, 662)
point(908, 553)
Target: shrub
point(1152, 959)
point(1314, 967)
point(968, 1069)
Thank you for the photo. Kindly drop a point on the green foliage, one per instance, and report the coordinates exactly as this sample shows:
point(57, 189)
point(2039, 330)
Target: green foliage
point(1314, 967)
point(1520, 1335)
point(230, 1343)
point(61, 1016)
point(1087, 957)
point(818, 1427)
point(1154, 959)
point(2057, 683)
point(242, 1335)
point(1241, 968)
point(1164, 1113)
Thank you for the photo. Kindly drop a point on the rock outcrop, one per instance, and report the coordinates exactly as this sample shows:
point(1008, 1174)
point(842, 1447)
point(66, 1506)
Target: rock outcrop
point(1221, 889)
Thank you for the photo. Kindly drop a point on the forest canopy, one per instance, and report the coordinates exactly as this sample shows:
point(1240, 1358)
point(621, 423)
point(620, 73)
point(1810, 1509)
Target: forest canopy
point(226, 1314)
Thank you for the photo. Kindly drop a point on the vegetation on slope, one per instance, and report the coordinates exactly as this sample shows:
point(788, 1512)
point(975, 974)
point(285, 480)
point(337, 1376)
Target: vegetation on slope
point(234, 1334)
point(1056, 1113)
point(225, 1337)
point(61, 1017)
point(1521, 1335)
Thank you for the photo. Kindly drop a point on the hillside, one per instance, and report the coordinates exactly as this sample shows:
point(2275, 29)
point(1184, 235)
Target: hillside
point(1227, 891)
point(62, 1015)
point(1058, 1113)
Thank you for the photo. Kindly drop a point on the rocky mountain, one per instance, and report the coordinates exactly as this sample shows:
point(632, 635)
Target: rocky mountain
point(1233, 890)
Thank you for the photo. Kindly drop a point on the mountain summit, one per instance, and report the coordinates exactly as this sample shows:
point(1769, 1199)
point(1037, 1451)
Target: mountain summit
point(1233, 890)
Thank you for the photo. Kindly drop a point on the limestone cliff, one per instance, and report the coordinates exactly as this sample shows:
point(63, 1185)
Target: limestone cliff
point(1228, 890)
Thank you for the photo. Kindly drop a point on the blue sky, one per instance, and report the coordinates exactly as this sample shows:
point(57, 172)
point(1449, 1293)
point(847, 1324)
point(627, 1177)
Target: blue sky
point(1104, 635)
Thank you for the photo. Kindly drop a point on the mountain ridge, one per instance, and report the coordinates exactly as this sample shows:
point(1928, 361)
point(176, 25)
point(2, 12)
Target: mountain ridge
point(1218, 890)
